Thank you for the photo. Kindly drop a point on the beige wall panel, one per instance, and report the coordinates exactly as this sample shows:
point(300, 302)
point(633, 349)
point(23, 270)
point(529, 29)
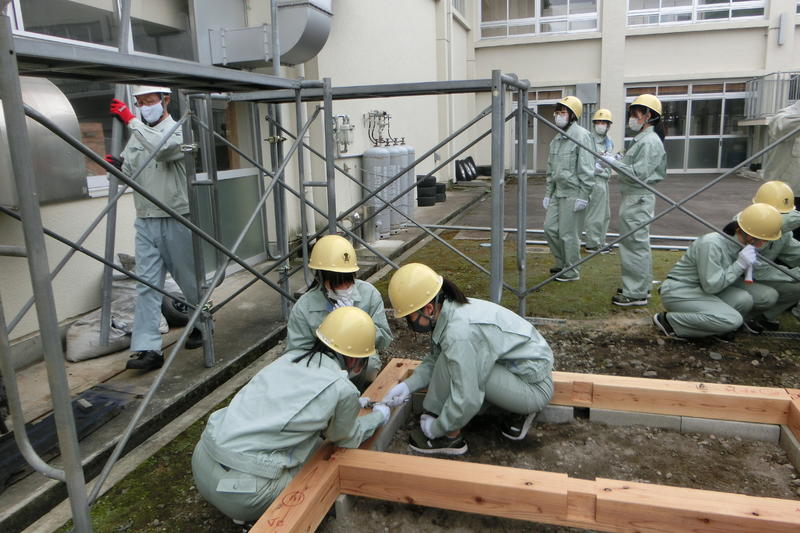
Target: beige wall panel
point(553, 63)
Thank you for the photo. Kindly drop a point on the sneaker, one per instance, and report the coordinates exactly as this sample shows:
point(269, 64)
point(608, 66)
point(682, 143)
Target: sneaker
point(625, 301)
point(753, 327)
point(555, 270)
point(769, 325)
point(660, 321)
point(649, 292)
point(726, 337)
point(445, 445)
point(516, 426)
point(148, 360)
point(568, 278)
point(601, 249)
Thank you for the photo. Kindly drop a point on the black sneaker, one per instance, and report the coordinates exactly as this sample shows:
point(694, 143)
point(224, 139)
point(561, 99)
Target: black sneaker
point(753, 327)
point(149, 360)
point(445, 445)
point(626, 301)
point(728, 337)
point(516, 426)
point(660, 321)
point(769, 325)
point(194, 340)
point(555, 270)
point(565, 278)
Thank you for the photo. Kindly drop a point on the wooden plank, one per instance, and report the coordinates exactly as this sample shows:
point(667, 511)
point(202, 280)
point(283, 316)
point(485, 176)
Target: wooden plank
point(305, 500)
point(793, 420)
point(656, 508)
point(393, 373)
point(683, 398)
point(469, 487)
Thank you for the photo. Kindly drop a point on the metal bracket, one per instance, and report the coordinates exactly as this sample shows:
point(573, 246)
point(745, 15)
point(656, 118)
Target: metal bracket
point(274, 139)
point(189, 147)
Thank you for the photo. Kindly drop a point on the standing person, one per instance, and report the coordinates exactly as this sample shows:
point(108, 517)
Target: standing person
point(334, 260)
point(250, 450)
point(783, 162)
point(570, 178)
point(598, 211)
point(480, 353)
point(647, 161)
point(701, 293)
point(162, 243)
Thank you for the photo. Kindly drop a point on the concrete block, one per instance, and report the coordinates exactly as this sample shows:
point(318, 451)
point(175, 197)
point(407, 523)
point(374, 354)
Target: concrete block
point(555, 414)
point(613, 417)
point(343, 506)
point(416, 402)
point(387, 431)
point(791, 446)
point(727, 428)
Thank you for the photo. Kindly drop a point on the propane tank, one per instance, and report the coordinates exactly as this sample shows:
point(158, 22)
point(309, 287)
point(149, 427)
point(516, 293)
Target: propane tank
point(398, 157)
point(374, 170)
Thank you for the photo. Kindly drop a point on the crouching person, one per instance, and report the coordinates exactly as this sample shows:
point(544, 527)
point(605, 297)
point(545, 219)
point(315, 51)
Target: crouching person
point(250, 450)
point(480, 353)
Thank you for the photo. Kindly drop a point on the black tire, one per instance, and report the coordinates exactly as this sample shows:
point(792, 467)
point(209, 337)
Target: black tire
point(174, 312)
point(468, 171)
point(425, 181)
point(441, 197)
point(470, 161)
point(426, 201)
point(460, 172)
point(472, 168)
point(484, 170)
point(441, 187)
point(426, 192)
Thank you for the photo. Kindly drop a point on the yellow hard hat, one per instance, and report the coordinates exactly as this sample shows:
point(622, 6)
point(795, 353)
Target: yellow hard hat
point(602, 114)
point(761, 221)
point(413, 286)
point(574, 103)
point(349, 331)
point(649, 101)
point(139, 90)
point(334, 253)
point(777, 194)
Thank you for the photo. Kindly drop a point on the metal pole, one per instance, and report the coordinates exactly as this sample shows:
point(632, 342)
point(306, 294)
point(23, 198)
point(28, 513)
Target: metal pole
point(522, 194)
point(258, 155)
point(120, 93)
point(498, 182)
point(301, 172)
point(13, 251)
point(330, 154)
point(22, 165)
point(85, 235)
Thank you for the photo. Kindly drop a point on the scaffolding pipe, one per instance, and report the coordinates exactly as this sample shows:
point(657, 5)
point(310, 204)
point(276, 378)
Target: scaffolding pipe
point(120, 93)
point(522, 195)
point(22, 164)
point(13, 251)
point(330, 154)
point(498, 182)
point(85, 235)
point(72, 141)
point(541, 232)
point(301, 173)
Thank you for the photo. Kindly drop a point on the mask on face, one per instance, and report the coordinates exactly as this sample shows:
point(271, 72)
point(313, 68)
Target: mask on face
point(151, 113)
point(344, 296)
point(416, 327)
point(634, 124)
point(561, 121)
point(601, 129)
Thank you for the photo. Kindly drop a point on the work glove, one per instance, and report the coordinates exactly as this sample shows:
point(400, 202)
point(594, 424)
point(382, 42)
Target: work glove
point(114, 161)
point(580, 205)
point(397, 395)
point(120, 111)
point(364, 402)
point(382, 409)
point(546, 202)
point(426, 425)
point(598, 168)
point(610, 159)
point(747, 257)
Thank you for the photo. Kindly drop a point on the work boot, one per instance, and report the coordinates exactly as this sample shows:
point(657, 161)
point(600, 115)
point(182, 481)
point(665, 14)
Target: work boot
point(445, 445)
point(147, 360)
point(194, 340)
point(516, 426)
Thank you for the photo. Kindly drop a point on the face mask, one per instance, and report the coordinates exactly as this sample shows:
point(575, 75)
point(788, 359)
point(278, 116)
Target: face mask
point(561, 121)
point(634, 124)
point(344, 296)
point(151, 113)
point(416, 327)
point(601, 129)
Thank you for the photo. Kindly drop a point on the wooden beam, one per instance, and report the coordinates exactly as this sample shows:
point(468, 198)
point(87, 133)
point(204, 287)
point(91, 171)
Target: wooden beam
point(393, 373)
point(303, 503)
point(657, 508)
point(793, 421)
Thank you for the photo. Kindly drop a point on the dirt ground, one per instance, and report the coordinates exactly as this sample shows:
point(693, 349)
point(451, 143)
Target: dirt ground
point(625, 345)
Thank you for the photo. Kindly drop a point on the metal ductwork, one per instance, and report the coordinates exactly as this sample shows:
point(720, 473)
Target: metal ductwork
point(224, 39)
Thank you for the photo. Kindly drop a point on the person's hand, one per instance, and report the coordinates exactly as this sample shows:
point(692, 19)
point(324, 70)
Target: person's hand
point(364, 402)
point(610, 159)
point(747, 257)
point(426, 425)
point(120, 111)
point(397, 395)
point(382, 409)
point(114, 161)
point(580, 205)
point(546, 202)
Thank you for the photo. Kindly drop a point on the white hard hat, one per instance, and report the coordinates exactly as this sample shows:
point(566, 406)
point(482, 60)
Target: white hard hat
point(139, 90)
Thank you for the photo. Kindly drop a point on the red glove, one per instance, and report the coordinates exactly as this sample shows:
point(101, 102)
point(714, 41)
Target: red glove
point(120, 111)
point(114, 161)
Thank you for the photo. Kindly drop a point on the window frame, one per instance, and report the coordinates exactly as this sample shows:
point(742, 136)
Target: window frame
point(537, 21)
point(694, 10)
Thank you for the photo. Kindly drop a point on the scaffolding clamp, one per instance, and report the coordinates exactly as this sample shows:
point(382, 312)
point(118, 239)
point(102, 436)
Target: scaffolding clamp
point(274, 139)
point(185, 148)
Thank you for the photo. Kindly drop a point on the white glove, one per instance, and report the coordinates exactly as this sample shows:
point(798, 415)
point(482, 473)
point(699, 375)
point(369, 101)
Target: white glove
point(610, 159)
point(618, 156)
point(364, 402)
point(382, 409)
point(598, 168)
point(546, 202)
point(747, 257)
point(426, 425)
point(580, 205)
point(397, 395)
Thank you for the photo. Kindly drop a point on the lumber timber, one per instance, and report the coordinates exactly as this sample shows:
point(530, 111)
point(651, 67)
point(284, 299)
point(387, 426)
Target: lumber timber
point(393, 373)
point(658, 508)
point(793, 421)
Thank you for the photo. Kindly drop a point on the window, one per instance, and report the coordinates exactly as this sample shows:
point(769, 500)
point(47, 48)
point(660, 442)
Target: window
point(460, 6)
point(515, 18)
point(701, 123)
point(666, 12)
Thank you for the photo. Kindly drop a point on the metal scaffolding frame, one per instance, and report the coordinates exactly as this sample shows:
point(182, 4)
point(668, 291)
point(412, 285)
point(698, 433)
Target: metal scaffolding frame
point(25, 55)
